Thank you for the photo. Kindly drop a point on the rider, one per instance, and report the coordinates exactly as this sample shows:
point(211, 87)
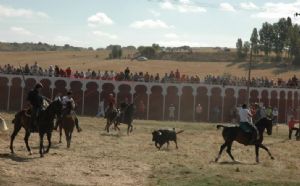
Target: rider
point(246, 123)
point(111, 104)
point(68, 108)
point(35, 99)
point(124, 105)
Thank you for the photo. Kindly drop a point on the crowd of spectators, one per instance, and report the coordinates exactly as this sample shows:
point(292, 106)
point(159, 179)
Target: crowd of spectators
point(127, 75)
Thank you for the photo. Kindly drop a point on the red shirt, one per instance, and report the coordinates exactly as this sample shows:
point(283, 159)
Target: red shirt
point(111, 101)
point(292, 123)
point(68, 72)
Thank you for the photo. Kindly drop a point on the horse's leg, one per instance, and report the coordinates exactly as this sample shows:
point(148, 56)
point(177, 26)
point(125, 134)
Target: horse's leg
point(67, 137)
point(41, 145)
point(49, 136)
point(26, 138)
point(60, 134)
point(257, 153)
point(128, 129)
point(228, 150)
point(70, 138)
point(220, 152)
point(131, 127)
point(17, 128)
point(175, 141)
point(266, 149)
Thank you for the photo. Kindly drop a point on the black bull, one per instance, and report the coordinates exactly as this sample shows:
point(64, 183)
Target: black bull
point(162, 136)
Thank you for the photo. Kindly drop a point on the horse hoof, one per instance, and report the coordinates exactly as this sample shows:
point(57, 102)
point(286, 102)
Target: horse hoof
point(30, 153)
point(216, 160)
point(272, 158)
point(60, 142)
point(42, 156)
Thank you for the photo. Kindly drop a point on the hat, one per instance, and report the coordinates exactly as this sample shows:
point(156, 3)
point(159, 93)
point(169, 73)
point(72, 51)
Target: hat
point(69, 92)
point(38, 85)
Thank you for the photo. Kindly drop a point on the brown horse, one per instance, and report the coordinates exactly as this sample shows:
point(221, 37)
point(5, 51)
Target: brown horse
point(231, 134)
point(45, 125)
point(67, 123)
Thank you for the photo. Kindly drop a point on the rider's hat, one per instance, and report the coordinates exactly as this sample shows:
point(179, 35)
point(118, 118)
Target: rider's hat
point(38, 85)
point(69, 92)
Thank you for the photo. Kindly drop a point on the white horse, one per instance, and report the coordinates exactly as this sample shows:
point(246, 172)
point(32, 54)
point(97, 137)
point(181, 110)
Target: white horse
point(3, 126)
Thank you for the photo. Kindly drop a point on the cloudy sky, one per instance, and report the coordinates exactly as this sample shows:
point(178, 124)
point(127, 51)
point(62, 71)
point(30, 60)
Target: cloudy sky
point(98, 23)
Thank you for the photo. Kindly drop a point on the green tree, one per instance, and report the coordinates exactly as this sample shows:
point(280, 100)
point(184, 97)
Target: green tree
point(239, 48)
point(254, 41)
point(266, 35)
point(246, 48)
point(116, 52)
point(148, 52)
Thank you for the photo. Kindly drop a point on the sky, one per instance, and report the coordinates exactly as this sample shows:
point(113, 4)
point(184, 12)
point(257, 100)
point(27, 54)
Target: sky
point(98, 23)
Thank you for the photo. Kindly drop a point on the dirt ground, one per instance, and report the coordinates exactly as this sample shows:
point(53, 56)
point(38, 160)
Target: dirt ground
point(98, 158)
point(85, 60)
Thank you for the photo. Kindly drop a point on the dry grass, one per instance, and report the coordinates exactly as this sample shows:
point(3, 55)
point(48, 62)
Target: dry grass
point(97, 158)
point(87, 60)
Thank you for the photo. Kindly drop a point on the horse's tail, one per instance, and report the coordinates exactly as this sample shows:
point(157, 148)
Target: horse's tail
point(220, 126)
point(181, 131)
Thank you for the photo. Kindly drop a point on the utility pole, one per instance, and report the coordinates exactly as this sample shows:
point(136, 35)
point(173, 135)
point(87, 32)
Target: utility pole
point(249, 75)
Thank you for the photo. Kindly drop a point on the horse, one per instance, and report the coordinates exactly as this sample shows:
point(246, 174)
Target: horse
point(45, 126)
point(67, 123)
point(111, 116)
point(231, 134)
point(125, 118)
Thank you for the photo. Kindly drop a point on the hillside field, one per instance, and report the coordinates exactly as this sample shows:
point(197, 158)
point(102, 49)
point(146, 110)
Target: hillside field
point(95, 60)
point(98, 158)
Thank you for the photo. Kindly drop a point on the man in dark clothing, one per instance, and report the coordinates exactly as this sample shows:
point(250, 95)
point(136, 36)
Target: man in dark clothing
point(127, 72)
point(36, 101)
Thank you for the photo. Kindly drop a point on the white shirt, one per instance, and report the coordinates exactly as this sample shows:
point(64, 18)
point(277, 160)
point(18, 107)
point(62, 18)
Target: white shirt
point(245, 115)
point(65, 100)
point(275, 112)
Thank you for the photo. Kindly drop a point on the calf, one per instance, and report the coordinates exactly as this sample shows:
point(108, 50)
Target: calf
point(162, 136)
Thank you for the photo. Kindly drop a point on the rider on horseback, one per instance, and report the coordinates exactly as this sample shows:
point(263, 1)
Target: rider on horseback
point(246, 123)
point(68, 108)
point(36, 102)
point(123, 106)
point(111, 104)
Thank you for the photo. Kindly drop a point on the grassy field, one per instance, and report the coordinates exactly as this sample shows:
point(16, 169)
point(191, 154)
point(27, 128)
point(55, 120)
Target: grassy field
point(83, 61)
point(98, 158)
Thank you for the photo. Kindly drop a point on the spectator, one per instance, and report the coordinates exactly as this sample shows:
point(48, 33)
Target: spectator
point(127, 73)
point(292, 122)
point(68, 72)
point(198, 112)
point(275, 115)
point(141, 110)
point(172, 112)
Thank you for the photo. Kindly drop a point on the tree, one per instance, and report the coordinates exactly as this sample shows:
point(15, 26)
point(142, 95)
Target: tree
point(246, 48)
point(266, 35)
point(156, 47)
point(254, 41)
point(116, 52)
point(239, 48)
point(295, 44)
point(148, 52)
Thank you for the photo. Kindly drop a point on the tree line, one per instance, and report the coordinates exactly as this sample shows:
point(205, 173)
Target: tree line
point(38, 47)
point(281, 38)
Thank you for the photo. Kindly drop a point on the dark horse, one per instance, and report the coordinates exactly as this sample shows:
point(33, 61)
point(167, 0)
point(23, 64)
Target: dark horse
point(45, 125)
point(231, 134)
point(124, 118)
